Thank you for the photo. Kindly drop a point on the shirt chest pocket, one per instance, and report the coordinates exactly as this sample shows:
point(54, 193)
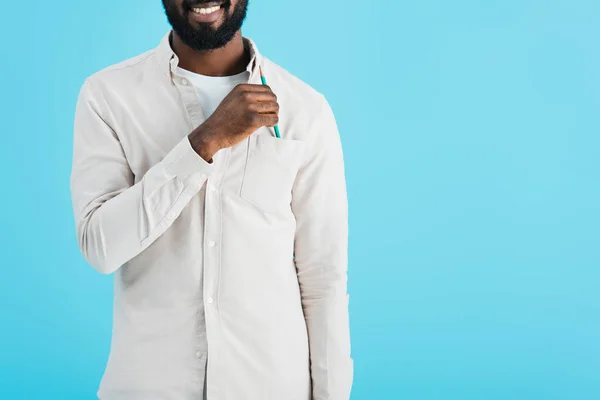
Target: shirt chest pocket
point(270, 171)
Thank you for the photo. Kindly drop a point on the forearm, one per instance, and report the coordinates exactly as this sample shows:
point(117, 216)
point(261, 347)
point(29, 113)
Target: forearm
point(113, 226)
point(321, 260)
point(327, 322)
point(116, 219)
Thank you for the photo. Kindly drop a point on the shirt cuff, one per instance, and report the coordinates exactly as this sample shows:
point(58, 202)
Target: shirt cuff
point(185, 163)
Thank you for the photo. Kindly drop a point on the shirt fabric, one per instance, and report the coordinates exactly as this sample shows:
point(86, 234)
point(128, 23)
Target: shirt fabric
point(202, 252)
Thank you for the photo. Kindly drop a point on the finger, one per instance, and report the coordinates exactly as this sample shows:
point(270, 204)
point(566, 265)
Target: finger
point(264, 107)
point(253, 87)
point(270, 119)
point(253, 97)
point(267, 119)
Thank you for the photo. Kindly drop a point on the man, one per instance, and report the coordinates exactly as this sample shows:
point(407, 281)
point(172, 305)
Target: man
point(228, 243)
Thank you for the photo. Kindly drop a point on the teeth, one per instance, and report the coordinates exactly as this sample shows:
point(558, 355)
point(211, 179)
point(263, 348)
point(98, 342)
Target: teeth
point(205, 10)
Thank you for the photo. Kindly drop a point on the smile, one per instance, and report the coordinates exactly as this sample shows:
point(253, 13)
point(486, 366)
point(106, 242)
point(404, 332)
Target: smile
point(206, 10)
point(207, 13)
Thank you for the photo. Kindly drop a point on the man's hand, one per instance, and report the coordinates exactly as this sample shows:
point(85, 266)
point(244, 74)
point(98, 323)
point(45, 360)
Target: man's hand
point(245, 109)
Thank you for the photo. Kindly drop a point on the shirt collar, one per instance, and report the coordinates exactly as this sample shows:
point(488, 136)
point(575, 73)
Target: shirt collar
point(168, 60)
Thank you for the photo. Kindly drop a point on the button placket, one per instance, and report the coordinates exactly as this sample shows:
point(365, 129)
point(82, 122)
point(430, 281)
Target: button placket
point(189, 97)
point(195, 118)
point(212, 266)
point(212, 232)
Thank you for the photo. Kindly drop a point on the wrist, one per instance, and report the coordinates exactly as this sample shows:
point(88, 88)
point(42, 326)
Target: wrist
point(203, 143)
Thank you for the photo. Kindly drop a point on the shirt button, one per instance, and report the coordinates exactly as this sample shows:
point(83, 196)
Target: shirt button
point(184, 82)
point(199, 354)
point(210, 300)
point(213, 189)
point(211, 244)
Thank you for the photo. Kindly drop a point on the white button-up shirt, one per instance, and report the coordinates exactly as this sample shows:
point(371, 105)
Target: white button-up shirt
point(247, 279)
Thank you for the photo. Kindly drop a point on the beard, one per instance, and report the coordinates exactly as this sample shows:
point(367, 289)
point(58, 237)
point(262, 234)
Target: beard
point(204, 37)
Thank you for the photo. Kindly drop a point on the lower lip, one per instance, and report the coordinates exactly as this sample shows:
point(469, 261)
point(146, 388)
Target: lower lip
point(207, 18)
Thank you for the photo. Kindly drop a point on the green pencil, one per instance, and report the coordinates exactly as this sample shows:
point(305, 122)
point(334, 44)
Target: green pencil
point(264, 82)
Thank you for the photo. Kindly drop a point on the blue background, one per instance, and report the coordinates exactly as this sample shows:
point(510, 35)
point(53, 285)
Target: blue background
point(471, 135)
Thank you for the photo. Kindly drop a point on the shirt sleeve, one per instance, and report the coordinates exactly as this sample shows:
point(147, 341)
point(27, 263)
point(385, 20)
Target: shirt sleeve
point(116, 219)
point(320, 206)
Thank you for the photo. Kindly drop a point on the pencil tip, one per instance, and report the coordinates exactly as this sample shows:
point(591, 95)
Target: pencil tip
point(260, 69)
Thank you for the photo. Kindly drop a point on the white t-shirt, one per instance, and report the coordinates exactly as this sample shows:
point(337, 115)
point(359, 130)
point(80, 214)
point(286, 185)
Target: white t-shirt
point(212, 89)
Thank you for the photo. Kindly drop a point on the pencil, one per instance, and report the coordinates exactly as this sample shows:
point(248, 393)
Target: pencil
point(264, 82)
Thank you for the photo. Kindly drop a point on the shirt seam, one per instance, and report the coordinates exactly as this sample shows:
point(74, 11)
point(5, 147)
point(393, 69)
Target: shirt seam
point(131, 63)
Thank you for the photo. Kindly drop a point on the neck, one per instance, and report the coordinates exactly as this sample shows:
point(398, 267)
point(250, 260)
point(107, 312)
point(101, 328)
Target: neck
point(228, 60)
